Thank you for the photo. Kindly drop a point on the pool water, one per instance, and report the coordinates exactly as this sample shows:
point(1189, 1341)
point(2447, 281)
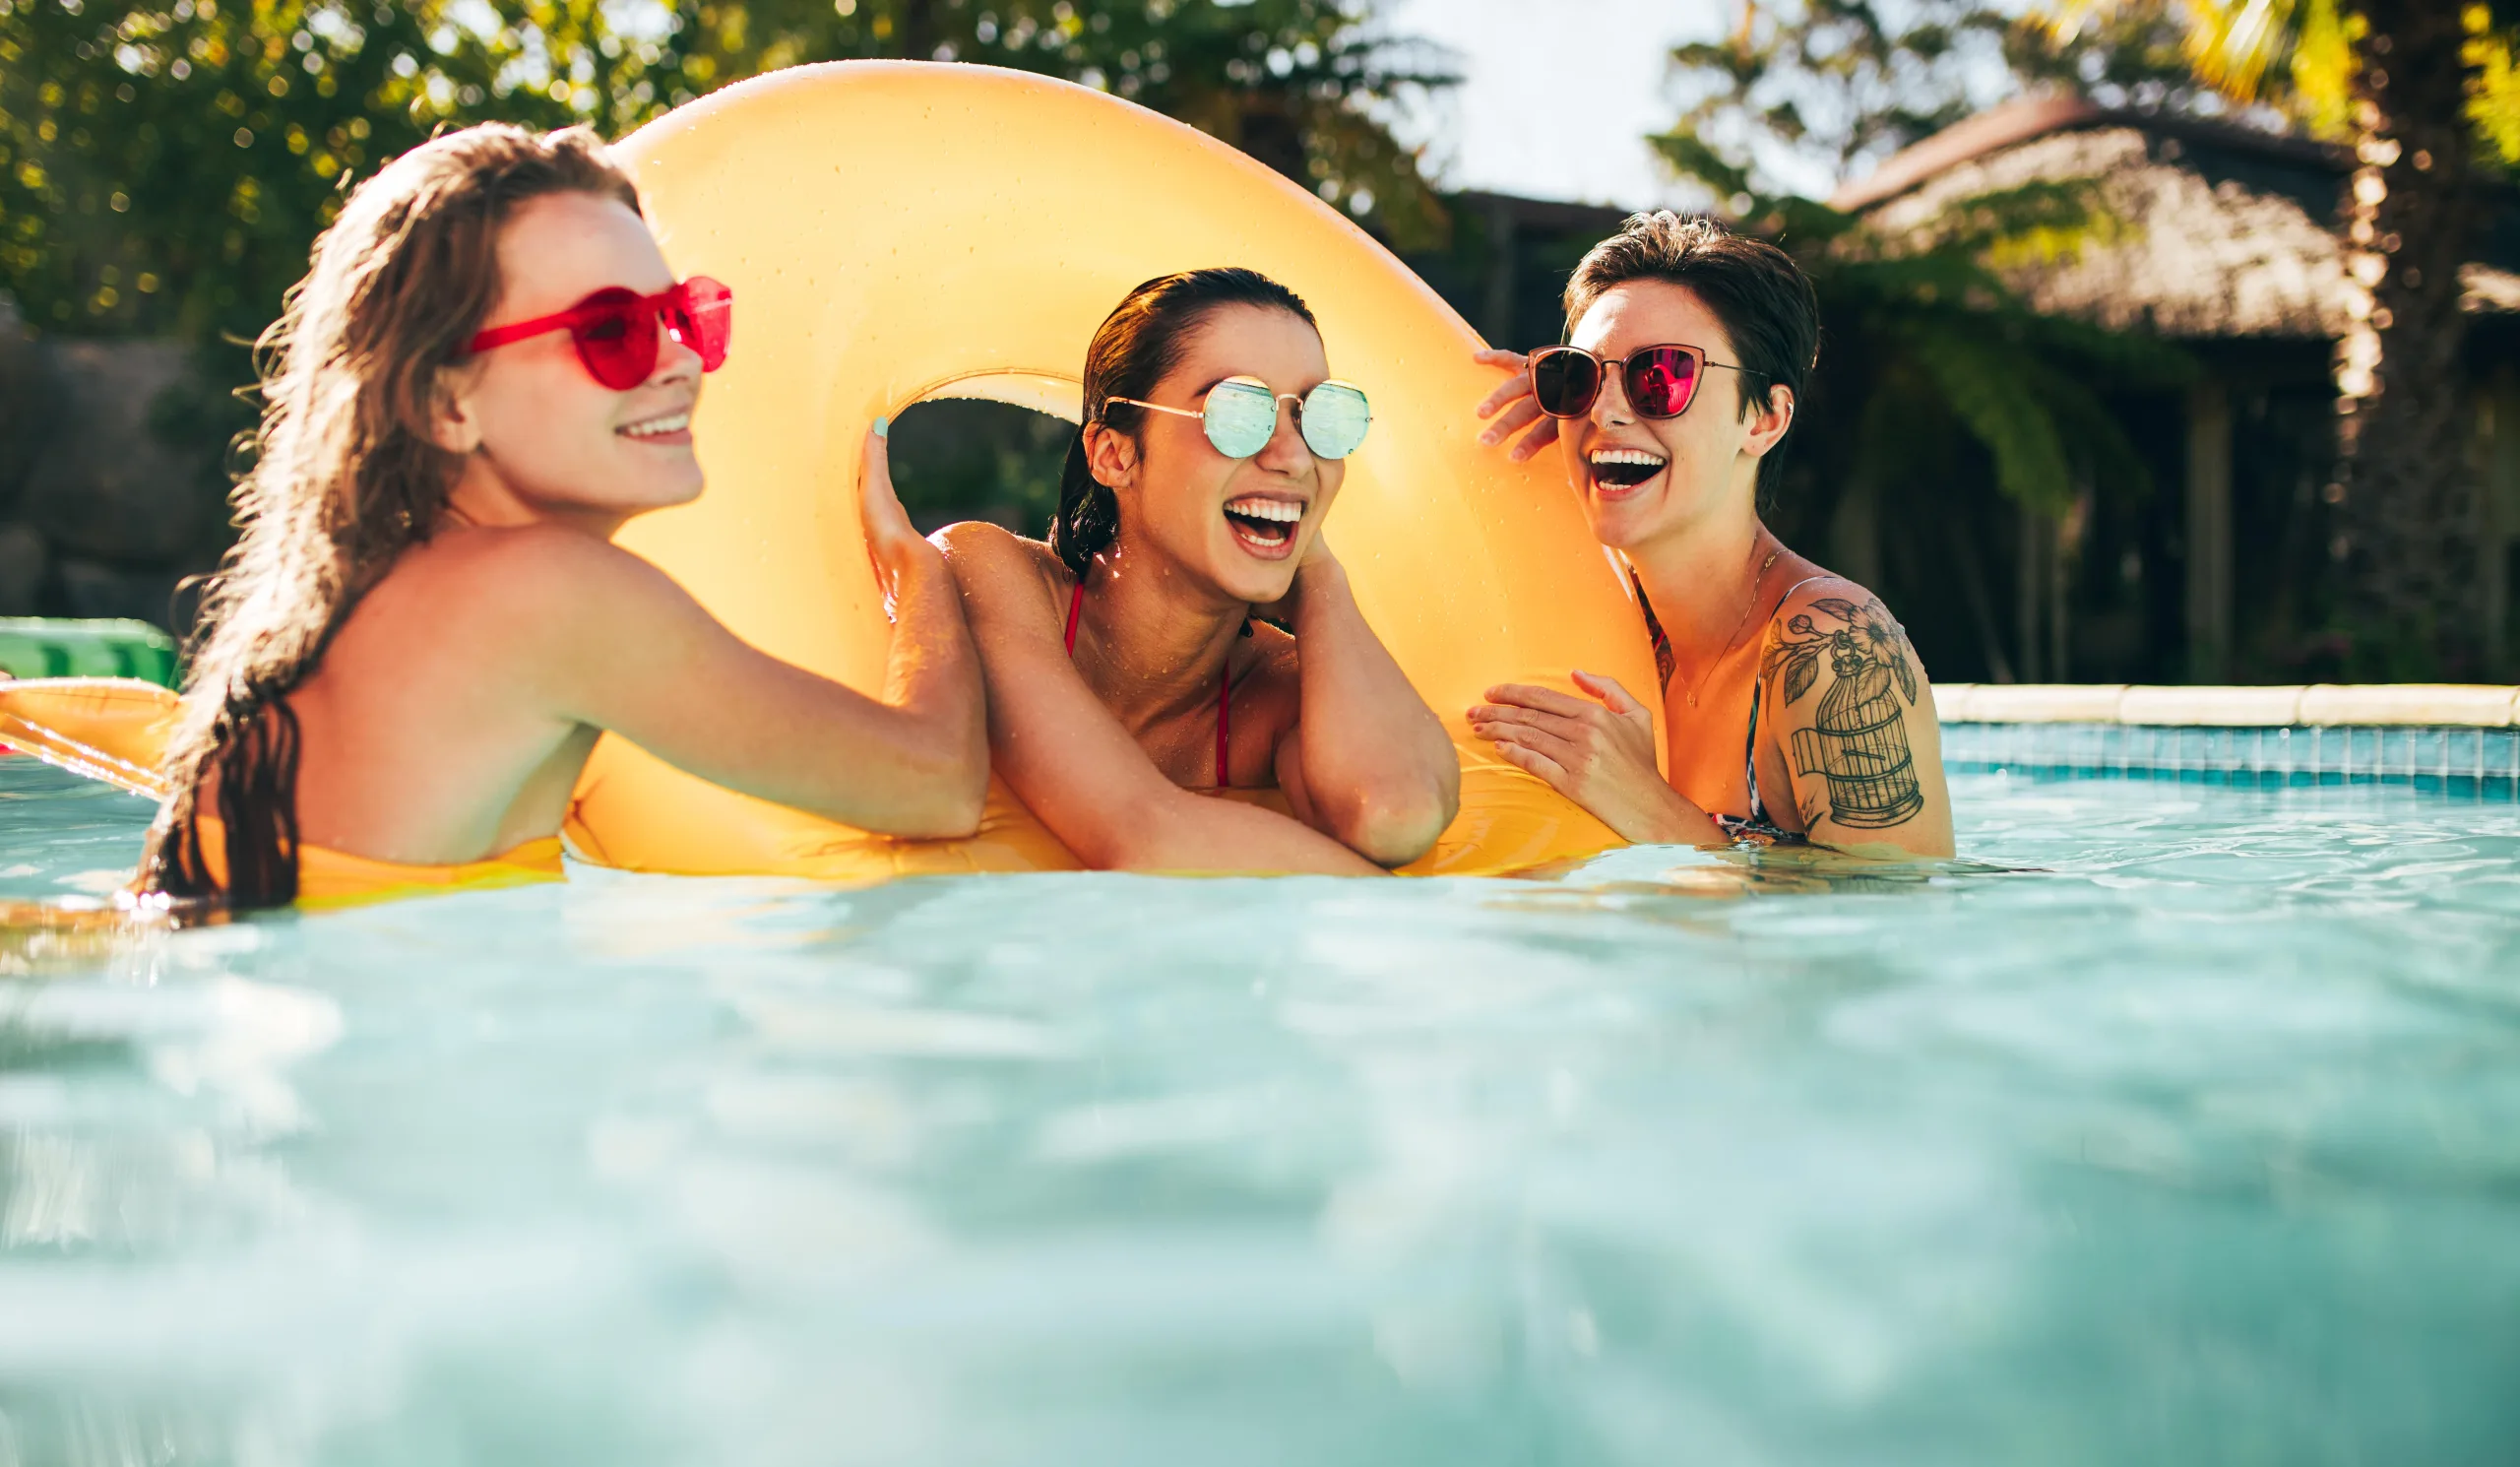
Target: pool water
point(2183, 1125)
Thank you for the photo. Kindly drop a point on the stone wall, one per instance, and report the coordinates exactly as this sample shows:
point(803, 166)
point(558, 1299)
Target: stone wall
point(111, 491)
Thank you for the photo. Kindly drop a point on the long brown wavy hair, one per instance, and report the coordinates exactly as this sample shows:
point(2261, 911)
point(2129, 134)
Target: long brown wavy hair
point(345, 478)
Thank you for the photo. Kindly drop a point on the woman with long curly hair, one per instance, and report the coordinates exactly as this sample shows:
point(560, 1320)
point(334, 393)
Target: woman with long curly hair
point(424, 627)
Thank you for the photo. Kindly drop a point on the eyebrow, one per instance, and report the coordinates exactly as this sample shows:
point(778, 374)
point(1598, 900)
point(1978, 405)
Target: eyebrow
point(1213, 384)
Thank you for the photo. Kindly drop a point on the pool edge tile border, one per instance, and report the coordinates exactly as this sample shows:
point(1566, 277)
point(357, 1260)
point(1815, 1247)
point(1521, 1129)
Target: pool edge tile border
point(2311, 705)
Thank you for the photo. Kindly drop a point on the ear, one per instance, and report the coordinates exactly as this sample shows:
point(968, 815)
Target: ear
point(1111, 456)
point(1768, 426)
point(453, 425)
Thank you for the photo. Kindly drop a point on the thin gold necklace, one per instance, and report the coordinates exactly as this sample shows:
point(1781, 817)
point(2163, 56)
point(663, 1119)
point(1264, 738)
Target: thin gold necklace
point(1747, 601)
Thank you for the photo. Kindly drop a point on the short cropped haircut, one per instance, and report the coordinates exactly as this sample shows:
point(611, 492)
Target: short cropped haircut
point(1763, 298)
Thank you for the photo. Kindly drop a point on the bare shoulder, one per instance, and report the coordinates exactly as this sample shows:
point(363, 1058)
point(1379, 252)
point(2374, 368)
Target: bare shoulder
point(1854, 731)
point(1826, 621)
point(529, 595)
point(511, 588)
point(994, 566)
point(510, 566)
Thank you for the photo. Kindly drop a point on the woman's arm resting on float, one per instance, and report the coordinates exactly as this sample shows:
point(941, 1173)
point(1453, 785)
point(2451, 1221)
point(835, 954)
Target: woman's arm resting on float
point(615, 642)
point(1598, 754)
point(1376, 771)
point(1072, 764)
point(1833, 664)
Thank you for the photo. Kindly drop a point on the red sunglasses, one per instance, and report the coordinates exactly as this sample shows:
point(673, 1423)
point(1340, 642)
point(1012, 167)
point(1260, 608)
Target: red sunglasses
point(616, 329)
point(1660, 381)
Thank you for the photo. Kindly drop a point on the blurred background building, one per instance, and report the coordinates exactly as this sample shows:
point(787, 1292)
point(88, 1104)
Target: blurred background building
point(2162, 344)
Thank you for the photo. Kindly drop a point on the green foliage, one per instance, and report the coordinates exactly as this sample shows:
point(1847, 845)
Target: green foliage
point(1926, 334)
point(1285, 81)
point(2494, 94)
point(2298, 54)
point(164, 165)
point(1807, 90)
point(1930, 318)
point(959, 459)
point(1831, 80)
point(2294, 57)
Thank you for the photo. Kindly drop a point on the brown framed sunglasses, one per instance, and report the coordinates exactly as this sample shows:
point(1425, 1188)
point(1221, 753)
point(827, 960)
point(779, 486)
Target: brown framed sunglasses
point(1660, 381)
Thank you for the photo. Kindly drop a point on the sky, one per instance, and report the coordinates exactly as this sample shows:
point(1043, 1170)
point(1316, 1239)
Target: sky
point(1557, 95)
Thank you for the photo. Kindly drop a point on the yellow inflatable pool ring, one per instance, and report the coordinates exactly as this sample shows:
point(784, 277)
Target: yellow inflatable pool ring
point(899, 232)
point(113, 728)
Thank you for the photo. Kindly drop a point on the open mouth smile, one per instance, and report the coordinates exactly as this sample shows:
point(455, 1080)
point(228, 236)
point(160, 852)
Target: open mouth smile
point(1617, 470)
point(1264, 527)
point(673, 428)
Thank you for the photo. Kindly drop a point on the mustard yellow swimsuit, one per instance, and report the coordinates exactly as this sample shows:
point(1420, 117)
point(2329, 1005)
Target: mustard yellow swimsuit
point(336, 878)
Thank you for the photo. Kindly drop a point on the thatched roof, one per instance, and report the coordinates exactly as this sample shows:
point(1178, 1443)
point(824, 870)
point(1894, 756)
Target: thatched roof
point(2229, 230)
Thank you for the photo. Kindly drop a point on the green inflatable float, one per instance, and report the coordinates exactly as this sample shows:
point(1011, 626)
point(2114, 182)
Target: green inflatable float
point(41, 647)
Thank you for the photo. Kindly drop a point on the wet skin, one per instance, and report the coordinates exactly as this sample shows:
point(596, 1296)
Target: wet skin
point(1106, 745)
point(1678, 498)
point(452, 714)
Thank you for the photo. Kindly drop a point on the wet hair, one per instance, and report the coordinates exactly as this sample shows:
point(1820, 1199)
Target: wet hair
point(1134, 348)
point(345, 475)
point(1763, 298)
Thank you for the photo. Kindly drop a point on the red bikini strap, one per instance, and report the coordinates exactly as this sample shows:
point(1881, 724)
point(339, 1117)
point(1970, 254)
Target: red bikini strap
point(1225, 724)
point(1075, 607)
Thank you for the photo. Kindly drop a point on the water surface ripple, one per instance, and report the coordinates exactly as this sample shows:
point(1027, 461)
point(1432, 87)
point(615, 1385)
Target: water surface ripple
point(2176, 1124)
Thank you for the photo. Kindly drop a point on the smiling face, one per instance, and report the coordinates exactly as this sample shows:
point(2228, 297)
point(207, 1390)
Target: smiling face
point(1644, 480)
point(543, 435)
point(1241, 524)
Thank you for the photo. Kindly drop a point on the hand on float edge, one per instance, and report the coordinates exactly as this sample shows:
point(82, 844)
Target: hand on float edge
point(1514, 399)
point(1598, 754)
point(892, 542)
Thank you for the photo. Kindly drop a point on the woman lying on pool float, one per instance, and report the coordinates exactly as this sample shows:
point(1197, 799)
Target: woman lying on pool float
point(1795, 705)
point(1126, 673)
point(423, 629)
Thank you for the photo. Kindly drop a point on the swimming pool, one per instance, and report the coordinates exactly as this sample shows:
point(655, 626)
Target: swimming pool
point(2184, 1128)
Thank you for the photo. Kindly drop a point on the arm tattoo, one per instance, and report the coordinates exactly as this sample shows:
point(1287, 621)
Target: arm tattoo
point(1858, 741)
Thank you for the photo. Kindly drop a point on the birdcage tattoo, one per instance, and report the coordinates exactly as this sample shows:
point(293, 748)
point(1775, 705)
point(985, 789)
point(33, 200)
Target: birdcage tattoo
point(1858, 740)
point(1859, 743)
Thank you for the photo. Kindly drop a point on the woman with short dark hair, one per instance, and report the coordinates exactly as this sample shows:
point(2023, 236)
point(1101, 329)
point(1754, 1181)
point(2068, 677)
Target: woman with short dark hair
point(1795, 709)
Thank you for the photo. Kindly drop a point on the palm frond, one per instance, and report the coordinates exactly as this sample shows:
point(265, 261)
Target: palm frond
point(2095, 437)
point(1983, 384)
point(2493, 96)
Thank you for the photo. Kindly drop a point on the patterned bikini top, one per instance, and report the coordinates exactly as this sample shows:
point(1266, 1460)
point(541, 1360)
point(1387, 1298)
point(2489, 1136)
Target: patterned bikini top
point(1757, 824)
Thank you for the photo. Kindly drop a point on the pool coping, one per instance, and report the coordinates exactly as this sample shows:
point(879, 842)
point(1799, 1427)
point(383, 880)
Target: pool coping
point(2301, 705)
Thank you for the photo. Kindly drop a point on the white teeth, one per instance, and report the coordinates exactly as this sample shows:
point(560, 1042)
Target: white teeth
point(1627, 456)
point(1266, 509)
point(673, 422)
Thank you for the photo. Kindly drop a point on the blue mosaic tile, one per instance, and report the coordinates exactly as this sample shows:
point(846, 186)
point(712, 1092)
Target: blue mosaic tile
point(2459, 762)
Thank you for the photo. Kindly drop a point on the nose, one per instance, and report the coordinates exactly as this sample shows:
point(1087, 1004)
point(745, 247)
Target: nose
point(676, 362)
point(1286, 452)
point(1609, 405)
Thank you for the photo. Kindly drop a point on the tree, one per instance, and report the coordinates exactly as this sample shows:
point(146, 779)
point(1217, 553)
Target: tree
point(162, 169)
point(165, 163)
point(1288, 82)
point(1925, 324)
point(2422, 91)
